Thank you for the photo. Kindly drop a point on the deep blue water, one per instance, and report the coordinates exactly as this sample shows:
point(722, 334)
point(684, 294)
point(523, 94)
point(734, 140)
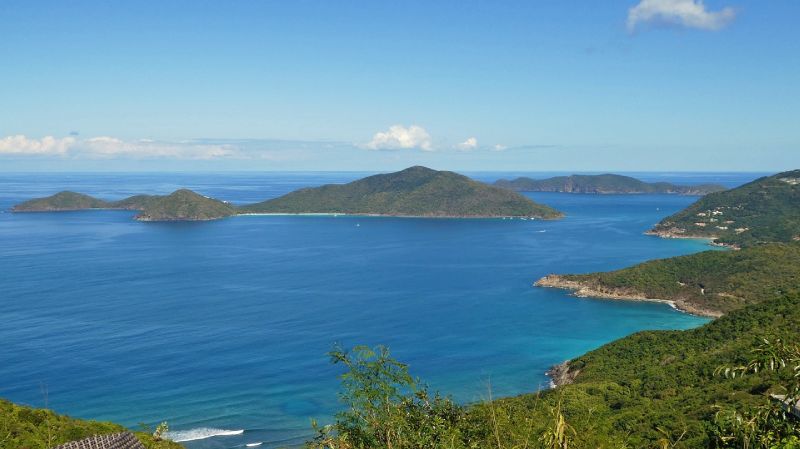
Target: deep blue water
point(226, 324)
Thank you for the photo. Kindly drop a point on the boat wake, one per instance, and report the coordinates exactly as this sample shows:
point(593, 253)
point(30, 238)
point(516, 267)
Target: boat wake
point(201, 433)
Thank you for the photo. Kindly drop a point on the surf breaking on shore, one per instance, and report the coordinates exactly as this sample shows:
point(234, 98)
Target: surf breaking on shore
point(201, 433)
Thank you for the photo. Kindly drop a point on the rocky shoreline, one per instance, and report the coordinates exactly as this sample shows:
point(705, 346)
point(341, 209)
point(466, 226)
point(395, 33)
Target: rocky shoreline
point(561, 374)
point(584, 290)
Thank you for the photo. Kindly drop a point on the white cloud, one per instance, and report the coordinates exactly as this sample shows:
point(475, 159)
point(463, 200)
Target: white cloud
point(399, 137)
point(467, 145)
point(48, 145)
point(499, 147)
point(688, 13)
point(104, 146)
point(111, 146)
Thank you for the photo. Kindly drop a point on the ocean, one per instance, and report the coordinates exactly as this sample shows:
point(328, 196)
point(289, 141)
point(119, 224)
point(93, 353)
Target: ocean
point(222, 328)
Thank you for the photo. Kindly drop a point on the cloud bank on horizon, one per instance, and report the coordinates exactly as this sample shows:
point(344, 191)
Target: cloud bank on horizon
point(108, 147)
point(687, 13)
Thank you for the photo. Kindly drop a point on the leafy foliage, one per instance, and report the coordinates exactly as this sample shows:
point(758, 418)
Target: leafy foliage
point(762, 211)
point(30, 428)
point(416, 191)
point(607, 183)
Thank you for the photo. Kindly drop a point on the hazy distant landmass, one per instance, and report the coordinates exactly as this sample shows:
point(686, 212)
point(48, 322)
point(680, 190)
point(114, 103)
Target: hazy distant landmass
point(607, 183)
point(762, 211)
point(416, 191)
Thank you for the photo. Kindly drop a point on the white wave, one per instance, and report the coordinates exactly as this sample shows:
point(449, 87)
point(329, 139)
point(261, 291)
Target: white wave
point(199, 434)
point(253, 444)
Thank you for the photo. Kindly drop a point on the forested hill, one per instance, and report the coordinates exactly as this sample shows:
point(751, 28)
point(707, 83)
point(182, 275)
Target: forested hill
point(607, 183)
point(416, 191)
point(765, 210)
point(181, 205)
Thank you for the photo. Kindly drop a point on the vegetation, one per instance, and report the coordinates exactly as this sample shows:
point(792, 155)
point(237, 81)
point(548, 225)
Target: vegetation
point(181, 205)
point(184, 205)
point(62, 201)
point(607, 183)
point(30, 428)
point(762, 211)
point(655, 389)
point(712, 281)
point(416, 191)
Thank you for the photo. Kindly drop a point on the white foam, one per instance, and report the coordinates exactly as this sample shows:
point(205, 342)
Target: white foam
point(199, 434)
point(253, 444)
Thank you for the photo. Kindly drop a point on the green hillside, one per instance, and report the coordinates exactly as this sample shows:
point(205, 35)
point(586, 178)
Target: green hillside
point(607, 183)
point(184, 205)
point(62, 201)
point(658, 386)
point(30, 428)
point(765, 210)
point(181, 205)
point(711, 282)
point(653, 389)
point(416, 191)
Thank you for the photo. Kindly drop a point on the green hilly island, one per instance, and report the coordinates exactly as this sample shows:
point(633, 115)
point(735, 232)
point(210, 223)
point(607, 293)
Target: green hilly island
point(416, 191)
point(603, 184)
point(181, 205)
point(765, 210)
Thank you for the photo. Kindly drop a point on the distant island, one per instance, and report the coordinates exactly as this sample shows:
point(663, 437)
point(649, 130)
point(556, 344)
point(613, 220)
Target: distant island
point(413, 192)
point(603, 184)
point(181, 205)
point(765, 210)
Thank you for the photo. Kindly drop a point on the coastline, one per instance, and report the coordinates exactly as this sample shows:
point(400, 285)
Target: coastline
point(672, 234)
point(582, 290)
point(366, 215)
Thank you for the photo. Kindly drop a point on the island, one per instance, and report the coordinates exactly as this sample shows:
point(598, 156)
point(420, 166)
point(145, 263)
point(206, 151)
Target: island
point(413, 192)
point(762, 211)
point(181, 205)
point(604, 184)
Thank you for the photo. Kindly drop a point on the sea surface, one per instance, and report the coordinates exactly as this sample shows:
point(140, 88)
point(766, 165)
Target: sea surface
point(222, 328)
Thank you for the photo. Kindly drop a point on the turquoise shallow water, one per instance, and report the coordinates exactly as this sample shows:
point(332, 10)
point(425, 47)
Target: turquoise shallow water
point(225, 324)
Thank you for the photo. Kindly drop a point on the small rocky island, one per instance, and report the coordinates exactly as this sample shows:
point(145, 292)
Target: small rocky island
point(603, 184)
point(413, 192)
point(765, 210)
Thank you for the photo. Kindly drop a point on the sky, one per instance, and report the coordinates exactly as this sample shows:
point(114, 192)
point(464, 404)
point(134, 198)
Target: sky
point(617, 85)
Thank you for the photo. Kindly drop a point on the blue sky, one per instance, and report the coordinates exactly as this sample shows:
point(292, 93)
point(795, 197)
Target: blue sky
point(379, 85)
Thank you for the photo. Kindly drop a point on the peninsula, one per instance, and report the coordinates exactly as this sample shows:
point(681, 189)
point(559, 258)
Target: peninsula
point(413, 192)
point(603, 184)
point(710, 283)
point(765, 210)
